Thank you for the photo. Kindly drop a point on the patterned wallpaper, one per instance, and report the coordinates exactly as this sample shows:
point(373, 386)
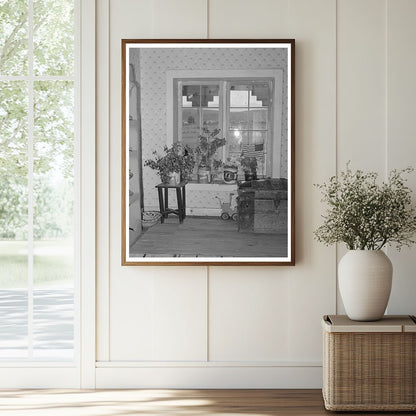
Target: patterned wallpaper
point(203, 199)
point(154, 62)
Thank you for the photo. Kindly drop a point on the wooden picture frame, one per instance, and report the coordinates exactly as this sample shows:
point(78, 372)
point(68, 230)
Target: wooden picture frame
point(221, 113)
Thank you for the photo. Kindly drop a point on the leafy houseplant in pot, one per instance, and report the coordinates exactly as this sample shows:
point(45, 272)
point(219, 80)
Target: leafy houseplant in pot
point(249, 165)
point(208, 145)
point(175, 165)
point(366, 216)
point(217, 170)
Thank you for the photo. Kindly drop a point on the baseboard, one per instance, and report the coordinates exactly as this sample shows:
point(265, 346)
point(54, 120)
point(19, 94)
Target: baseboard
point(195, 211)
point(203, 212)
point(110, 375)
point(39, 378)
point(210, 377)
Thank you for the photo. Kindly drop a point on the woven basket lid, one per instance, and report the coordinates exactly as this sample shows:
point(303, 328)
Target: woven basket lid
point(390, 323)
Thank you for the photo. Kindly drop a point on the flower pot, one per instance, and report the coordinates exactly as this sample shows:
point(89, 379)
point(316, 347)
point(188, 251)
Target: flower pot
point(364, 278)
point(204, 174)
point(230, 175)
point(250, 175)
point(174, 178)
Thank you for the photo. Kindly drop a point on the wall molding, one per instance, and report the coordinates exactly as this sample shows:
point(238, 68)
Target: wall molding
point(30, 377)
point(204, 364)
point(220, 377)
point(87, 195)
point(103, 178)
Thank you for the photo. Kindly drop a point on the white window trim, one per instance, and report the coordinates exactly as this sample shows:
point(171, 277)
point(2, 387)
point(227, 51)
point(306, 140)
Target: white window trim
point(276, 74)
point(88, 194)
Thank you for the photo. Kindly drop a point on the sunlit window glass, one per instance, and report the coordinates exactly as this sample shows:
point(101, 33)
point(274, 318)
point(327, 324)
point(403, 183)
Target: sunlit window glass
point(37, 179)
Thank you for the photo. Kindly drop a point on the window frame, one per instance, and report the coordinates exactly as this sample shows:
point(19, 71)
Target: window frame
point(270, 137)
point(178, 104)
point(30, 79)
point(80, 373)
point(275, 132)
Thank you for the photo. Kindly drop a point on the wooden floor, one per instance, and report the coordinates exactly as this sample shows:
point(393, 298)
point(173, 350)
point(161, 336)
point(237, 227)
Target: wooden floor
point(165, 402)
point(206, 237)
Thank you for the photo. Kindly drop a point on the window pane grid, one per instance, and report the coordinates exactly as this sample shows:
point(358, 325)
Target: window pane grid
point(29, 324)
point(200, 108)
point(14, 35)
point(249, 121)
point(243, 112)
point(54, 22)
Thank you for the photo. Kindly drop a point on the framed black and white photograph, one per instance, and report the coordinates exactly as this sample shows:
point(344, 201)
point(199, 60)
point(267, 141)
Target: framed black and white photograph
point(208, 152)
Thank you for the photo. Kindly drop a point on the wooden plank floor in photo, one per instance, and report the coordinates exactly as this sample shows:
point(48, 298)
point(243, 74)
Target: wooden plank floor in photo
point(206, 237)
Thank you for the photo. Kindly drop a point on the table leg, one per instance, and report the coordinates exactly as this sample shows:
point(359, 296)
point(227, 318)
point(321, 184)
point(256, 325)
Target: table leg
point(180, 205)
point(162, 218)
point(166, 201)
point(184, 201)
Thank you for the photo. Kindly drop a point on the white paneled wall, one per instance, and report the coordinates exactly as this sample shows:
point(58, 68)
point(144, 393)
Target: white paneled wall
point(251, 326)
point(311, 282)
point(401, 132)
point(361, 88)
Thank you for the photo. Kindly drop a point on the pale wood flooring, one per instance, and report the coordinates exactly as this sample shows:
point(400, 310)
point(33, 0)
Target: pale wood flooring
point(166, 402)
point(206, 237)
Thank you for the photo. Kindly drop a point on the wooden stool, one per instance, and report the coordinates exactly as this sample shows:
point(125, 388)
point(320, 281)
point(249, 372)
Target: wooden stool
point(164, 204)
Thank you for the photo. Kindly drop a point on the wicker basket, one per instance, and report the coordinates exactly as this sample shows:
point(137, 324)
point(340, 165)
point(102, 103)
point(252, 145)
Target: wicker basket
point(150, 218)
point(369, 366)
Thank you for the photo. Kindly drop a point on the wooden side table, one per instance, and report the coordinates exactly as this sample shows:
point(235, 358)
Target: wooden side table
point(163, 193)
point(369, 366)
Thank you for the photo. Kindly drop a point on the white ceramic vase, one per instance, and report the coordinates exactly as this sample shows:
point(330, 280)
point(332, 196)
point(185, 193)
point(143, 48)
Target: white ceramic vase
point(364, 278)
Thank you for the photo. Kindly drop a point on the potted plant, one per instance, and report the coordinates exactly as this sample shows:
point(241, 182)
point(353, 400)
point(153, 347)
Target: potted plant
point(230, 171)
point(249, 165)
point(175, 165)
point(366, 216)
point(208, 145)
point(217, 171)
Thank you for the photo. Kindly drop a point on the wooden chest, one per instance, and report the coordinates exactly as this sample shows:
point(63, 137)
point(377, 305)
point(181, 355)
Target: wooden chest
point(262, 206)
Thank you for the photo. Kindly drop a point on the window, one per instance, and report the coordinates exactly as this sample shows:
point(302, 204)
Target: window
point(249, 121)
point(241, 108)
point(37, 180)
point(200, 108)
